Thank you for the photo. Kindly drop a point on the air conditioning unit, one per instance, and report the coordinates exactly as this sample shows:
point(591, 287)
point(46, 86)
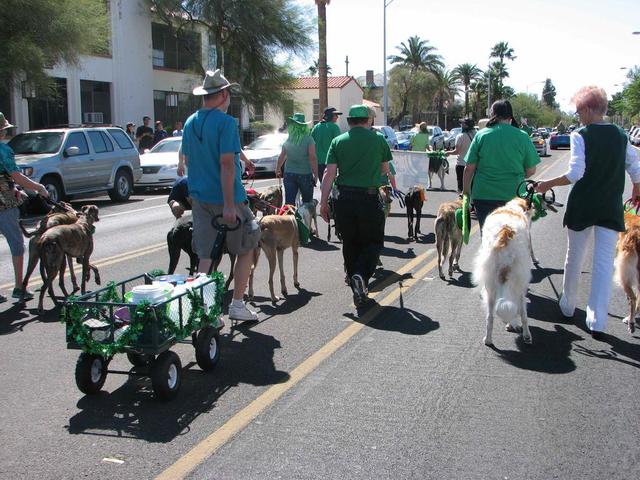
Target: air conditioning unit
point(93, 117)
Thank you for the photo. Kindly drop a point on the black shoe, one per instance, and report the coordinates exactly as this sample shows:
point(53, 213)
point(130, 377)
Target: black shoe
point(597, 335)
point(359, 289)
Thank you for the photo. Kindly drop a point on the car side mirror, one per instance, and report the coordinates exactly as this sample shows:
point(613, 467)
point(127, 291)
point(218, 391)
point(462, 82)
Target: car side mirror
point(71, 151)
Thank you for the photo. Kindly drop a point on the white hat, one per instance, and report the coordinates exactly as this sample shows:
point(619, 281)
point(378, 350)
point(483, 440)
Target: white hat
point(214, 82)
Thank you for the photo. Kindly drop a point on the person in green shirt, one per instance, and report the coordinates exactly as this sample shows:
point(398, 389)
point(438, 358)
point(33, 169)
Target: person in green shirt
point(323, 133)
point(356, 159)
point(499, 158)
point(301, 169)
point(420, 141)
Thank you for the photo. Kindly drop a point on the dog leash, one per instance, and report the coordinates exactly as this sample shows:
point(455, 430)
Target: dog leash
point(399, 194)
point(218, 245)
point(527, 191)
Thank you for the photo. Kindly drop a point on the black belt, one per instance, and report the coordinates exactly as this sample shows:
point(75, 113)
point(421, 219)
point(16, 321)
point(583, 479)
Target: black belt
point(358, 190)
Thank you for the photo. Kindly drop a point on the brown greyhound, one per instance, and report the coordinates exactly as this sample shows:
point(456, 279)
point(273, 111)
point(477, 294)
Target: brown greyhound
point(61, 214)
point(57, 242)
point(278, 232)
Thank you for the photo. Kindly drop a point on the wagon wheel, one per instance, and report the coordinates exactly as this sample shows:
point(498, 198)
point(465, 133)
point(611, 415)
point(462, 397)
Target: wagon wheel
point(139, 359)
point(166, 375)
point(91, 373)
point(208, 348)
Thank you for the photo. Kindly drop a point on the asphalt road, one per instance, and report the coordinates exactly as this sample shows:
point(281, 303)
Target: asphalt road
point(406, 389)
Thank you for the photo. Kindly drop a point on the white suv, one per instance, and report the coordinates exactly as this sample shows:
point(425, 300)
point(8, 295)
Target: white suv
point(70, 161)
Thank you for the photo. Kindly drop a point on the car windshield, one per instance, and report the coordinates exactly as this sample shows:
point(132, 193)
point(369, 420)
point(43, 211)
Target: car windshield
point(403, 136)
point(267, 142)
point(36, 142)
point(169, 146)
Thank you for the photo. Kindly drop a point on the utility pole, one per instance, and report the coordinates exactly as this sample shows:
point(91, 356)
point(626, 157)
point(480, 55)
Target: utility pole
point(346, 62)
point(489, 92)
point(385, 4)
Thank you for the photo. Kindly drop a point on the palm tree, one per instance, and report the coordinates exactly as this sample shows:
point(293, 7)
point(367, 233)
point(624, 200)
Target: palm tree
point(322, 54)
point(498, 73)
point(467, 73)
point(417, 54)
point(314, 69)
point(447, 86)
point(501, 50)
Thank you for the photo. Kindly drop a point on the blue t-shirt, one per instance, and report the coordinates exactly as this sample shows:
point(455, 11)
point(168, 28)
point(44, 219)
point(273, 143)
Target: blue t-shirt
point(7, 159)
point(207, 135)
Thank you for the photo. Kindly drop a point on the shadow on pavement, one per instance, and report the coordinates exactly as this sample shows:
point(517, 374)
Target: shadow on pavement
point(538, 274)
point(396, 319)
point(396, 239)
point(289, 304)
point(320, 245)
point(428, 238)
point(550, 352)
point(383, 278)
point(15, 318)
point(546, 309)
point(463, 280)
point(396, 252)
point(131, 411)
point(619, 347)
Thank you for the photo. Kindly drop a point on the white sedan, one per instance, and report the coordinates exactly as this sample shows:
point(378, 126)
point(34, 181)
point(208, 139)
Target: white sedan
point(160, 164)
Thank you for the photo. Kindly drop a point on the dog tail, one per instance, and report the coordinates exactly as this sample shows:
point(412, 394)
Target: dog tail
point(505, 235)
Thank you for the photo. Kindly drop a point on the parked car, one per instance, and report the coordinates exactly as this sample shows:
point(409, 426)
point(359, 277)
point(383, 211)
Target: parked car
point(264, 151)
point(542, 132)
point(436, 137)
point(389, 135)
point(540, 143)
point(160, 164)
point(404, 140)
point(557, 140)
point(70, 161)
point(450, 138)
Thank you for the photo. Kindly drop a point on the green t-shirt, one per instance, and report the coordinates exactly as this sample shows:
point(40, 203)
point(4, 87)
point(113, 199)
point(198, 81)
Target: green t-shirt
point(298, 156)
point(359, 154)
point(501, 154)
point(323, 133)
point(420, 142)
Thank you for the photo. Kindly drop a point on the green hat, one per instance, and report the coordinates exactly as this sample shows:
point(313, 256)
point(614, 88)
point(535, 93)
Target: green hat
point(358, 111)
point(298, 118)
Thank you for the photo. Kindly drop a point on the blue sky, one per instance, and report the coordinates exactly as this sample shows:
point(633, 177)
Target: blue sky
point(573, 42)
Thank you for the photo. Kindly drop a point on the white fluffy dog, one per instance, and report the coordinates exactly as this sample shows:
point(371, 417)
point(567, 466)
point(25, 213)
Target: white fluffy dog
point(503, 266)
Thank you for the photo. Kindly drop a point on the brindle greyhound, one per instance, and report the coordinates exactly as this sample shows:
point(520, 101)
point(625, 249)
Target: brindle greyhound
point(57, 242)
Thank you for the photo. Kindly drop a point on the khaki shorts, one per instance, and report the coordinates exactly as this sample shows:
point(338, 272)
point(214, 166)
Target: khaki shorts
point(239, 241)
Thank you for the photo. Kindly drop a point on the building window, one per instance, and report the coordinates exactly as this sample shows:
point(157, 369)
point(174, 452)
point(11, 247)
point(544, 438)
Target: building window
point(49, 109)
point(178, 53)
point(167, 113)
point(316, 110)
point(258, 113)
point(95, 101)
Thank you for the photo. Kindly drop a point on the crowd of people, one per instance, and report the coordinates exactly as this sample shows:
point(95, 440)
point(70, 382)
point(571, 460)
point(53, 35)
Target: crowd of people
point(490, 165)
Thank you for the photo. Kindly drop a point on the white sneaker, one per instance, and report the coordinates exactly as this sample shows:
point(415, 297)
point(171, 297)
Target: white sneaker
point(242, 313)
point(566, 310)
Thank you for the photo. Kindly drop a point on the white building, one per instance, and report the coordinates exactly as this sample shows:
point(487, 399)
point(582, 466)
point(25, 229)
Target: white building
point(342, 93)
point(147, 73)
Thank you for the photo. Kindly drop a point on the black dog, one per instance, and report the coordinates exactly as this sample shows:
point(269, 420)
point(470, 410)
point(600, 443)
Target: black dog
point(414, 202)
point(179, 240)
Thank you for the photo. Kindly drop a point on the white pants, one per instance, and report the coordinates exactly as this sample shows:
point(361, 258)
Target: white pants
point(604, 252)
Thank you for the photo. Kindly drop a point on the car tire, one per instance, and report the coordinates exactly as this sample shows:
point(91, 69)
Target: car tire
point(122, 186)
point(54, 187)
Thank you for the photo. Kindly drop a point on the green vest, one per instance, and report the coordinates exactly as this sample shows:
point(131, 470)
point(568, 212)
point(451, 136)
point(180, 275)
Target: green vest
point(596, 199)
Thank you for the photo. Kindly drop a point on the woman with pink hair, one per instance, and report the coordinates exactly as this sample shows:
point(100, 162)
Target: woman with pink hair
point(600, 154)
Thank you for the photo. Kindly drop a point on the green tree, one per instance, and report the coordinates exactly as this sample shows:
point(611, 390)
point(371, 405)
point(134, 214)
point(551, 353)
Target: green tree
point(322, 46)
point(417, 54)
point(409, 89)
point(549, 94)
point(37, 34)
point(447, 85)
point(248, 40)
point(314, 69)
point(502, 51)
point(467, 73)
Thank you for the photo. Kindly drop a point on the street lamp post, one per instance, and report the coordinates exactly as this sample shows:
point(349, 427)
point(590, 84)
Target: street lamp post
point(385, 4)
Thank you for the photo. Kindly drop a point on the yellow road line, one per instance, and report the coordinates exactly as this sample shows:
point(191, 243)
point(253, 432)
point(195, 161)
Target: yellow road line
point(210, 445)
point(207, 447)
point(105, 261)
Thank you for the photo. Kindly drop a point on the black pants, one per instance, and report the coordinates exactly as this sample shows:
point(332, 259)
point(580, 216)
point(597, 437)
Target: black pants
point(360, 220)
point(459, 173)
point(484, 208)
point(321, 168)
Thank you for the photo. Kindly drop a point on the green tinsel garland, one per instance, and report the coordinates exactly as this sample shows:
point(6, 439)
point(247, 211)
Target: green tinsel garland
point(73, 314)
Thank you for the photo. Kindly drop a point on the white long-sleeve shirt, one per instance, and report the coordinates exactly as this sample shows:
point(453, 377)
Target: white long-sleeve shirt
point(577, 163)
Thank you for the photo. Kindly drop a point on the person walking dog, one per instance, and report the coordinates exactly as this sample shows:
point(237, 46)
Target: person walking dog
point(356, 160)
point(211, 150)
point(323, 134)
point(600, 154)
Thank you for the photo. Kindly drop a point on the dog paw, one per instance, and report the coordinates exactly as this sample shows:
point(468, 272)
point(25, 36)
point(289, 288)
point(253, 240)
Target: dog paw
point(442, 276)
point(487, 341)
point(297, 285)
point(625, 320)
point(513, 328)
point(527, 339)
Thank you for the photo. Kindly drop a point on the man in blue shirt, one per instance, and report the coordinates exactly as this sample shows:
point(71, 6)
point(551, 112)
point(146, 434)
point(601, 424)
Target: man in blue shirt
point(211, 150)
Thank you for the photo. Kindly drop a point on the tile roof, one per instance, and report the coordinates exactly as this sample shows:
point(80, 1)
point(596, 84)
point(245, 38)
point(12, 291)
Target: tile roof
point(314, 82)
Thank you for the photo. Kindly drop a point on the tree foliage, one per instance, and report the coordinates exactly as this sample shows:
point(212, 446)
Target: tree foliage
point(549, 94)
point(410, 89)
point(467, 73)
point(37, 34)
point(417, 54)
point(536, 112)
point(248, 39)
